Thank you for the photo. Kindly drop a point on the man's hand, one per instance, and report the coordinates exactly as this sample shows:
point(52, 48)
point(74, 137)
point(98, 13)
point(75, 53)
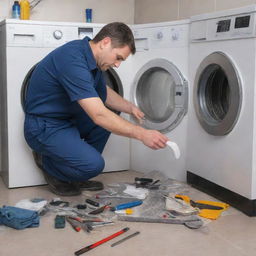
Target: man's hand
point(105, 118)
point(137, 114)
point(154, 139)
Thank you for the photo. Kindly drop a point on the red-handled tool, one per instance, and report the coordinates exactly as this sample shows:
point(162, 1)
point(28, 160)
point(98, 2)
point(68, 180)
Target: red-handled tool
point(89, 247)
point(73, 224)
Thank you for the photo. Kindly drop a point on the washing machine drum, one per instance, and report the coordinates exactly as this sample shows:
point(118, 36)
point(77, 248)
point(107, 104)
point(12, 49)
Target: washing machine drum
point(217, 94)
point(161, 92)
point(111, 77)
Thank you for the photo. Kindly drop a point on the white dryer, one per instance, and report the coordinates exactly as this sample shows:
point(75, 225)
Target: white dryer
point(160, 90)
point(221, 134)
point(23, 45)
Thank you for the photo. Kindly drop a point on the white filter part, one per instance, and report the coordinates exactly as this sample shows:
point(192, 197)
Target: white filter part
point(175, 148)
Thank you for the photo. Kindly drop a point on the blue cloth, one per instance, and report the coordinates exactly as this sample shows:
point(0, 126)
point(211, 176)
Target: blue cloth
point(55, 125)
point(18, 218)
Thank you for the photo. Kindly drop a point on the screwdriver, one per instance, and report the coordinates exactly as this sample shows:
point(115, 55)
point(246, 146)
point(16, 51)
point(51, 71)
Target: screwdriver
point(126, 205)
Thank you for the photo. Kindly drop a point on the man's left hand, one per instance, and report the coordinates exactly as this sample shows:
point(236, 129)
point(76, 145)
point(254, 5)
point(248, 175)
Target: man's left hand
point(137, 114)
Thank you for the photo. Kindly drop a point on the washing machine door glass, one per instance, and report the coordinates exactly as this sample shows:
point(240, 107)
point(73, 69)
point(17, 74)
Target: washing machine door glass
point(217, 94)
point(111, 77)
point(161, 92)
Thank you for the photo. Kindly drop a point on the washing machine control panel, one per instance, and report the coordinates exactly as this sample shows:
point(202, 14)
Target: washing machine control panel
point(241, 25)
point(166, 37)
point(45, 35)
point(57, 35)
point(161, 37)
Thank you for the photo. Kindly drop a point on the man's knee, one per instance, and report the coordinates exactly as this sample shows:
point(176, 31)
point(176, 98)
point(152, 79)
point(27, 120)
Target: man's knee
point(97, 163)
point(92, 168)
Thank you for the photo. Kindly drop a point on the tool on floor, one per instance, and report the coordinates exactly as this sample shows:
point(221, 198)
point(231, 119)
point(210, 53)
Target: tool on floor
point(146, 183)
point(85, 225)
point(175, 148)
point(60, 203)
point(92, 219)
point(142, 181)
point(101, 224)
point(90, 247)
point(100, 210)
point(99, 196)
point(125, 211)
point(207, 205)
point(126, 205)
point(126, 238)
point(179, 207)
point(208, 209)
point(81, 206)
point(91, 202)
point(73, 224)
point(193, 221)
point(59, 221)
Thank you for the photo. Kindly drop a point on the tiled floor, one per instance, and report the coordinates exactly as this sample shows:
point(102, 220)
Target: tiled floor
point(233, 234)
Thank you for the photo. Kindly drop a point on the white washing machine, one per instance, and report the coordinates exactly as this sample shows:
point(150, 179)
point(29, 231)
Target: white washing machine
point(117, 150)
point(221, 131)
point(23, 44)
point(160, 90)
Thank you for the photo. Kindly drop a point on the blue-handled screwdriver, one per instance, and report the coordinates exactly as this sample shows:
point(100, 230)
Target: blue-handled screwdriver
point(126, 205)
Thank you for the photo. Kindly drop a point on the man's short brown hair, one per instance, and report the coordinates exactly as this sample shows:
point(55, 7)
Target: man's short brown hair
point(120, 34)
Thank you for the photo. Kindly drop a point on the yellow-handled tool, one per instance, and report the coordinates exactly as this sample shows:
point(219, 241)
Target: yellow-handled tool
point(199, 205)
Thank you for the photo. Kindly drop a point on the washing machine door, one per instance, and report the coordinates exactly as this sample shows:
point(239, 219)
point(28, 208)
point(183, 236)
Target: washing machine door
point(217, 94)
point(161, 92)
point(111, 77)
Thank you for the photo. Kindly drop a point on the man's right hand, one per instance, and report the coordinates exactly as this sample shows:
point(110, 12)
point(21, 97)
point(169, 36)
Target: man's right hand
point(154, 139)
point(105, 118)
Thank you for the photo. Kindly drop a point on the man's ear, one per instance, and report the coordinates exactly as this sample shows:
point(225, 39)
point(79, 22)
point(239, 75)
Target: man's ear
point(106, 42)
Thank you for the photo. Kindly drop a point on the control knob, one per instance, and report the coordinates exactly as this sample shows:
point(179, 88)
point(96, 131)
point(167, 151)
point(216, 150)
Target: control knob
point(175, 35)
point(57, 34)
point(159, 35)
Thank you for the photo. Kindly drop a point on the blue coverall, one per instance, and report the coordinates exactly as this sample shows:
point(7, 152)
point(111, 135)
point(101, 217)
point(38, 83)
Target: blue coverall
point(55, 124)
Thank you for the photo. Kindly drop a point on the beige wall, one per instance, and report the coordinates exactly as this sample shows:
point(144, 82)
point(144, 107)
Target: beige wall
point(147, 11)
point(156, 10)
point(128, 11)
point(104, 11)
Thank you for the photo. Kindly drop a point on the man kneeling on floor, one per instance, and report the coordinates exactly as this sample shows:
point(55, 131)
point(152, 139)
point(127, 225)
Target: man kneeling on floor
point(67, 121)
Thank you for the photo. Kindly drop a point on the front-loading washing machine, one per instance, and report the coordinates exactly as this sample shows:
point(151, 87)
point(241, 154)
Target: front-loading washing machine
point(221, 129)
point(23, 45)
point(160, 90)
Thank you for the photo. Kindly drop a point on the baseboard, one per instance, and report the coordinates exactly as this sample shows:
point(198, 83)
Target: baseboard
point(239, 202)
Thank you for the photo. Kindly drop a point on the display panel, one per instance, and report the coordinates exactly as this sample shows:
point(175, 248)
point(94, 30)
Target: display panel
point(242, 22)
point(223, 25)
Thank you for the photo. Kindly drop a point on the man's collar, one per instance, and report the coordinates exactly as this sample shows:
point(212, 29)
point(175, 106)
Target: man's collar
point(89, 54)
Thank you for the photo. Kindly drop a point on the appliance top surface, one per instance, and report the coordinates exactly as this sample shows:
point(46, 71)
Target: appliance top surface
point(49, 23)
point(230, 12)
point(161, 24)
